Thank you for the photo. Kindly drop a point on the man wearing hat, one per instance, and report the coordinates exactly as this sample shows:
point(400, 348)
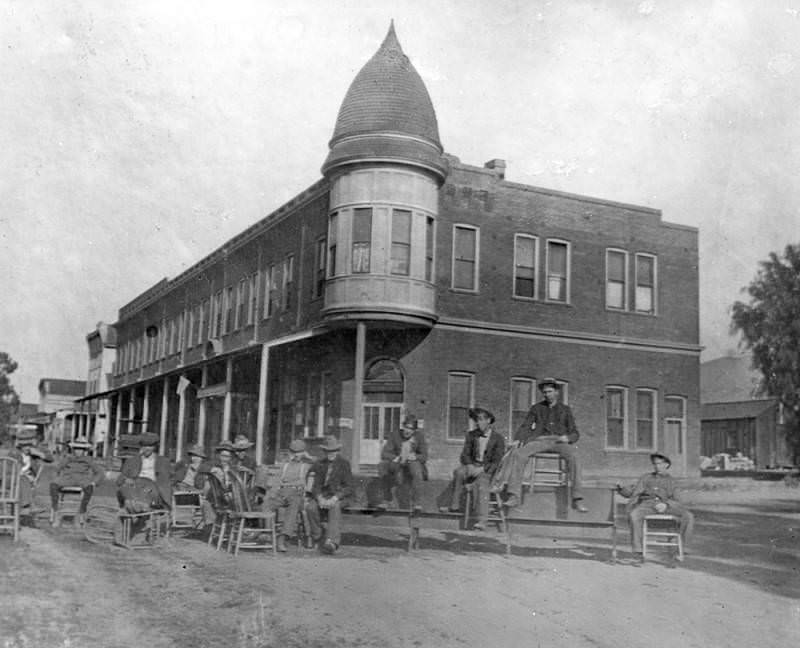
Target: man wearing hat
point(654, 493)
point(403, 456)
point(241, 444)
point(287, 496)
point(331, 487)
point(30, 456)
point(190, 475)
point(480, 458)
point(144, 480)
point(75, 470)
point(548, 427)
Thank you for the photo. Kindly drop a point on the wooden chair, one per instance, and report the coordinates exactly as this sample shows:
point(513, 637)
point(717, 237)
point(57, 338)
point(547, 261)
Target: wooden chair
point(497, 514)
point(222, 509)
point(187, 508)
point(247, 477)
point(69, 503)
point(154, 523)
point(9, 496)
point(249, 529)
point(661, 530)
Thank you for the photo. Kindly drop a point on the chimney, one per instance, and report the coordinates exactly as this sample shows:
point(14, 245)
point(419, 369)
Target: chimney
point(498, 166)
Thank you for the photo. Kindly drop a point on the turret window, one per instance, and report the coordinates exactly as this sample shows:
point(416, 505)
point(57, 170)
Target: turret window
point(333, 223)
point(362, 239)
point(401, 241)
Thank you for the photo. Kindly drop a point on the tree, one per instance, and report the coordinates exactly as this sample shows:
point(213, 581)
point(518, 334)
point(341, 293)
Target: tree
point(770, 328)
point(9, 401)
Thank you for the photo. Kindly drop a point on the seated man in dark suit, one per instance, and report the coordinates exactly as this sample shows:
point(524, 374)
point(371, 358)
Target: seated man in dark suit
point(480, 457)
point(144, 480)
point(75, 470)
point(331, 486)
point(403, 457)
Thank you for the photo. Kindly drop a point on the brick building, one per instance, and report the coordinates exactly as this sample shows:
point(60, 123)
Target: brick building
point(406, 280)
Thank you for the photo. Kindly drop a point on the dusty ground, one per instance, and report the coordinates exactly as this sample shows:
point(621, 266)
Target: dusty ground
point(740, 586)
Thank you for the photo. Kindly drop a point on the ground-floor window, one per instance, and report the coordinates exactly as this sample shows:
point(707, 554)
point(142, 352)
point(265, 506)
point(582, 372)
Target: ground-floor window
point(460, 398)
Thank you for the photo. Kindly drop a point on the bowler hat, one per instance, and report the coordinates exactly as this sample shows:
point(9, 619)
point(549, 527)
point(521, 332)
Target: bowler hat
point(657, 455)
point(548, 382)
point(331, 444)
point(148, 439)
point(241, 442)
point(409, 422)
point(225, 445)
point(197, 450)
point(477, 411)
point(298, 445)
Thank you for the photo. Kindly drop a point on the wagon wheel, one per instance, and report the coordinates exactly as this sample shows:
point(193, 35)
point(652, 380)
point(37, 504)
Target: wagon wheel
point(101, 521)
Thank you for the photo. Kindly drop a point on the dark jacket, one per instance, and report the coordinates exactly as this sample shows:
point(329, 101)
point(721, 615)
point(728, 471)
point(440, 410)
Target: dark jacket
point(556, 420)
point(84, 468)
point(133, 466)
point(339, 483)
point(495, 449)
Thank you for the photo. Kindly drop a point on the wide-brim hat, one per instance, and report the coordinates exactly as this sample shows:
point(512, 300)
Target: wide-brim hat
point(197, 450)
point(36, 452)
point(658, 455)
point(298, 445)
point(477, 411)
point(548, 382)
point(23, 443)
point(409, 422)
point(225, 445)
point(331, 444)
point(148, 439)
point(241, 442)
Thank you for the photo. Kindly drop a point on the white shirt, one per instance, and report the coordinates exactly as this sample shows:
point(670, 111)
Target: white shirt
point(483, 441)
point(148, 467)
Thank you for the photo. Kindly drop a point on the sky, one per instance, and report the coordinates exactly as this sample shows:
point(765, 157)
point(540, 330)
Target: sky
point(137, 137)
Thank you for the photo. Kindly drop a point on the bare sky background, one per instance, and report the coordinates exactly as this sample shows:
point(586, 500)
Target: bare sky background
point(136, 137)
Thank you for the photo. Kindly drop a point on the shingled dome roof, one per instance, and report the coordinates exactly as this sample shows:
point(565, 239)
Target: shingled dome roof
point(387, 114)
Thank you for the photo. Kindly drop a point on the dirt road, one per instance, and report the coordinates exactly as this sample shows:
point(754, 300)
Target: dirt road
point(739, 586)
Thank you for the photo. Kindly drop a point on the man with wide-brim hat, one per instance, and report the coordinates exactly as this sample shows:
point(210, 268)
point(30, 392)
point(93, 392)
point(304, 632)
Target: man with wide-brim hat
point(331, 487)
point(189, 474)
point(403, 458)
point(30, 455)
point(654, 493)
point(548, 427)
point(144, 480)
point(75, 470)
point(241, 444)
point(288, 492)
point(479, 460)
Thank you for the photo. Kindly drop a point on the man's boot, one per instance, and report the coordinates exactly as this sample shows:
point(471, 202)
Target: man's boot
point(281, 546)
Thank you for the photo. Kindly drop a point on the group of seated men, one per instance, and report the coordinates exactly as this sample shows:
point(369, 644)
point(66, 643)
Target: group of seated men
point(324, 486)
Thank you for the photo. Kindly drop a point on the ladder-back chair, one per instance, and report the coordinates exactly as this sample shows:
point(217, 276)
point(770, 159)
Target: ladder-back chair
point(222, 509)
point(9, 496)
point(260, 532)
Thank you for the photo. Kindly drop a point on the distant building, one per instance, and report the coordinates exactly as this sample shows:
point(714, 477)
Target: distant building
point(735, 419)
point(407, 281)
point(57, 406)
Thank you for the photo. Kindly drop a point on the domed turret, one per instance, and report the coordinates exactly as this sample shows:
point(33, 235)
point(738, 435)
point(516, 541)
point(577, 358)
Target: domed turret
point(387, 116)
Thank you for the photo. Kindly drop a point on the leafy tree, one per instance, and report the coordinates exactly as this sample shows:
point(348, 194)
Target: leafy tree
point(770, 328)
point(9, 401)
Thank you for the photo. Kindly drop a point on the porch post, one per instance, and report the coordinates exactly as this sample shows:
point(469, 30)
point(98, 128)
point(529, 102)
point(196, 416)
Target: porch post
point(164, 417)
point(118, 424)
point(131, 409)
point(361, 342)
point(201, 415)
point(261, 418)
point(146, 408)
point(226, 412)
point(181, 416)
point(107, 410)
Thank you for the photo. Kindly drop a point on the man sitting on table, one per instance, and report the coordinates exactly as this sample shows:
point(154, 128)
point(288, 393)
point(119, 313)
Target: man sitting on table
point(144, 480)
point(654, 493)
point(403, 457)
point(548, 427)
point(331, 487)
point(75, 470)
point(288, 493)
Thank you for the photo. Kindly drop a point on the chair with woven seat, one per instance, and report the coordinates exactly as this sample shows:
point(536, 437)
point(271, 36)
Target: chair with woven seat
point(662, 530)
point(250, 529)
point(9, 496)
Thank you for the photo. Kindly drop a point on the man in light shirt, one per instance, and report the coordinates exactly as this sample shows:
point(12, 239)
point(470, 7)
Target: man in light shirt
point(288, 493)
point(144, 481)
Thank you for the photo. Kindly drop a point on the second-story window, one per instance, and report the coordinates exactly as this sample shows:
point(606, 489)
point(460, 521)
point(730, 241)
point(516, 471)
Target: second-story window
point(525, 261)
point(465, 257)
point(288, 281)
point(558, 271)
point(333, 223)
point(270, 290)
point(228, 310)
point(401, 241)
point(252, 307)
point(645, 283)
point(319, 268)
point(205, 320)
point(241, 304)
point(616, 279)
point(216, 327)
point(429, 247)
point(362, 238)
point(180, 325)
